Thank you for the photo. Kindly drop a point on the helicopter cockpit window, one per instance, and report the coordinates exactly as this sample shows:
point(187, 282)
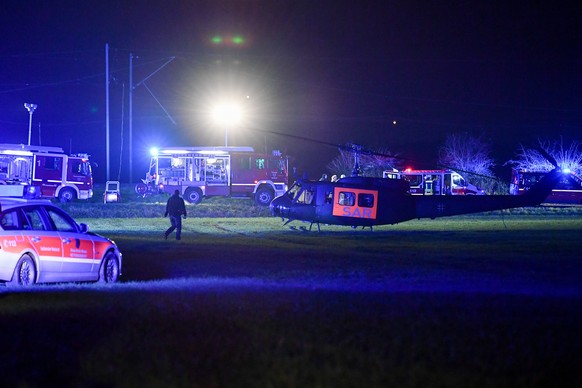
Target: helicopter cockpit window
point(293, 191)
point(347, 198)
point(365, 200)
point(306, 197)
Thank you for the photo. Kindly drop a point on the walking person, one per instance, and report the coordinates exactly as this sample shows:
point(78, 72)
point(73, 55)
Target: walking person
point(176, 208)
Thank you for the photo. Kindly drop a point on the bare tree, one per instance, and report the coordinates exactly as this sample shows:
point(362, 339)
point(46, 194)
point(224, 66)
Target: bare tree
point(371, 162)
point(471, 156)
point(467, 153)
point(567, 157)
point(376, 162)
point(343, 164)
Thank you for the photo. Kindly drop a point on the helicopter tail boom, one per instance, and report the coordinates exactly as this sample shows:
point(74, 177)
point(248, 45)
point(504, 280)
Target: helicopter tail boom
point(439, 206)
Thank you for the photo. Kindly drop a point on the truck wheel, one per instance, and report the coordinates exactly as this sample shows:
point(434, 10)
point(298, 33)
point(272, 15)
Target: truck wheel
point(264, 196)
point(24, 273)
point(193, 195)
point(141, 189)
point(67, 195)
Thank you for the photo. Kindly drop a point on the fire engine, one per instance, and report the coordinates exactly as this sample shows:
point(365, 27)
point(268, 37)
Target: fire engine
point(436, 182)
point(199, 172)
point(567, 191)
point(38, 171)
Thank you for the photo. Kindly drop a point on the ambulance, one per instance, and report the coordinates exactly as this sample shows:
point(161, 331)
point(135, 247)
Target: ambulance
point(436, 182)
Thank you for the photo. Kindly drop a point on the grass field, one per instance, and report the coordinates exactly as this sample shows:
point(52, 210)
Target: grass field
point(477, 301)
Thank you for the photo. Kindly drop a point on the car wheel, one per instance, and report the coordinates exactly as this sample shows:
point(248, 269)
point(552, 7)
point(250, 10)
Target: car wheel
point(193, 195)
point(109, 272)
point(264, 196)
point(24, 273)
point(67, 195)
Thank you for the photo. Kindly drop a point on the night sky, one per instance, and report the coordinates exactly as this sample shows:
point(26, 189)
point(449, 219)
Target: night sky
point(334, 71)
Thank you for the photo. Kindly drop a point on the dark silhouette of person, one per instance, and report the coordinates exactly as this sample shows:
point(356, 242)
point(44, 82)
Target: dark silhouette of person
point(176, 208)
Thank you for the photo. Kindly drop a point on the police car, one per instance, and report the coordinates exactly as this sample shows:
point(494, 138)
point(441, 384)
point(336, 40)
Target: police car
point(40, 243)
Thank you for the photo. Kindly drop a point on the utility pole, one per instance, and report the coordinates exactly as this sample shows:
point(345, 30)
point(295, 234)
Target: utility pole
point(130, 118)
point(107, 108)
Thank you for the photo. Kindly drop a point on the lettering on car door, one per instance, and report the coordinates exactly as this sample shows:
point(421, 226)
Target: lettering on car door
point(78, 252)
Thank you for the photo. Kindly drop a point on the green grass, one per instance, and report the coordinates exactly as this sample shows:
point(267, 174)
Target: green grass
point(473, 301)
point(147, 208)
point(133, 206)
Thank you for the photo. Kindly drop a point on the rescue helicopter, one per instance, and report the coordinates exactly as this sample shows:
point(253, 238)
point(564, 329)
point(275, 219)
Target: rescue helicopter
point(366, 201)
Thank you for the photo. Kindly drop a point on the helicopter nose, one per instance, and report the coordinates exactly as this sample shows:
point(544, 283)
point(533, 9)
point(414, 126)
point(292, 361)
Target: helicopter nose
point(280, 207)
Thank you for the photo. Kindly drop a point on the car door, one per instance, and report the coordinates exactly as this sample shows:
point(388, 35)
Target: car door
point(78, 248)
point(12, 243)
point(46, 243)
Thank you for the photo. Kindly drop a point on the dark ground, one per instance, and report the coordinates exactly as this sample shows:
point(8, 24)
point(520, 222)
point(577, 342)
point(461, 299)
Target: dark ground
point(460, 307)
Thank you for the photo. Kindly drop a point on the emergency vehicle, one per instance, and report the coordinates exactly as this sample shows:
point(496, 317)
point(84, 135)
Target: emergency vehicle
point(40, 243)
point(436, 182)
point(47, 172)
point(199, 172)
point(567, 191)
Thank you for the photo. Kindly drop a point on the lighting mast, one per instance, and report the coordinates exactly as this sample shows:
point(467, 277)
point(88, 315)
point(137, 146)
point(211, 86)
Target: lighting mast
point(31, 108)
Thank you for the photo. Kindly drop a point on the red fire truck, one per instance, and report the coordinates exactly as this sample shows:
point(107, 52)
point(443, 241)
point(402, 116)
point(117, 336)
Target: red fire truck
point(436, 182)
point(568, 190)
point(199, 172)
point(47, 172)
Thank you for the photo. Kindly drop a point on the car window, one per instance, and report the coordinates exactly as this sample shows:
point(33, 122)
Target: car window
point(33, 219)
point(9, 220)
point(61, 222)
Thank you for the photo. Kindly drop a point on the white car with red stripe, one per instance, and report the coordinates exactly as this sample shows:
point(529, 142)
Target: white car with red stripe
point(40, 243)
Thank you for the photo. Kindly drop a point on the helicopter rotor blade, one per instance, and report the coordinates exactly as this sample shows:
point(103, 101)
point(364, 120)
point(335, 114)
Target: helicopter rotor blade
point(548, 157)
point(350, 147)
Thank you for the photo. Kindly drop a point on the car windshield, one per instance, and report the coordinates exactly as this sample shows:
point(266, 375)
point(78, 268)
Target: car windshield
point(60, 221)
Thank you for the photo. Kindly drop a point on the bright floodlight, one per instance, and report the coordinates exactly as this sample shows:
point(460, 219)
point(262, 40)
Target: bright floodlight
point(226, 114)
